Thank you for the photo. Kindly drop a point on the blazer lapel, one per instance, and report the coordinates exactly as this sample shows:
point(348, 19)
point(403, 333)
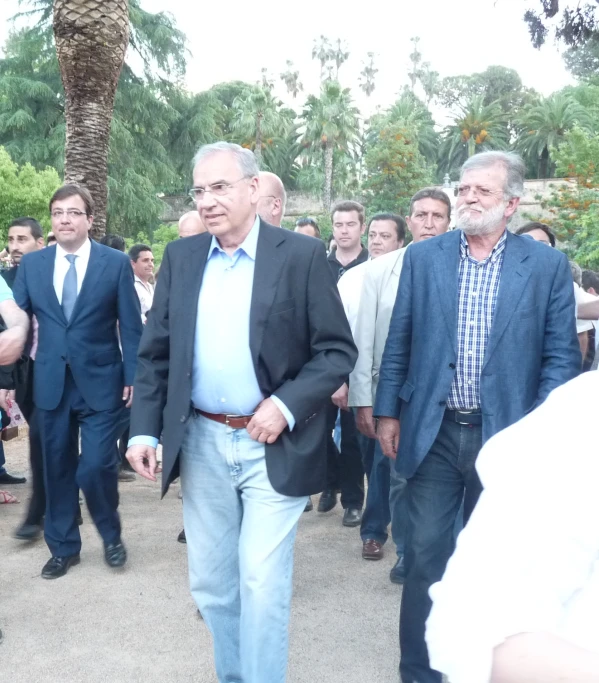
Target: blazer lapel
point(446, 275)
point(47, 281)
point(95, 268)
point(271, 255)
point(514, 276)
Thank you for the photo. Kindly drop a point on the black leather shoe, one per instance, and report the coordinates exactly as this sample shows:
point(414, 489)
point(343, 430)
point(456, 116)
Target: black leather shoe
point(28, 532)
point(6, 478)
point(328, 500)
point(56, 567)
point(352, 517)
point(398, 573)
point(115, 554)
point(181, 537)
point(309, 506)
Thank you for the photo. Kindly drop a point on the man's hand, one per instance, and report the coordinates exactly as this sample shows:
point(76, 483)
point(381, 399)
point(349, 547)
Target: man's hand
point(365, 422)
point(7, 396)
point(340, 397)
point(143, 460)
point(388, 435)
point(128, 396)
point(12, 342)
point(267, 423)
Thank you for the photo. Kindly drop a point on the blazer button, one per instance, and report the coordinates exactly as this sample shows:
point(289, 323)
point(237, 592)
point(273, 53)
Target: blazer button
point(442, 403)
point(452, 366)
point(63, 358)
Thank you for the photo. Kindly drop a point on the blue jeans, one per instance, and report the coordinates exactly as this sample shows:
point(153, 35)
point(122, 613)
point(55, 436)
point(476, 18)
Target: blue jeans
point(446, 478)
point(240, 534)
point(384, 503)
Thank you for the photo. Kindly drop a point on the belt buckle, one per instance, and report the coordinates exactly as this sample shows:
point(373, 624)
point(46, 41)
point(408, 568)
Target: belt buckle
point(464, 412)
point(227, 419)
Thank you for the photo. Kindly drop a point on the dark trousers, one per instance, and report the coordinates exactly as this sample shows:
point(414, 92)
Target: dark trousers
point(344, 467)
point(378, 512)
point(433, 498)
point(95, 472)
point(37, 503)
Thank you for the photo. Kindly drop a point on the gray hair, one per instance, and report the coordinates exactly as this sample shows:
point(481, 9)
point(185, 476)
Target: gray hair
point(245, 158)
point(431, 193)
point(513, 164)
point(576, 273)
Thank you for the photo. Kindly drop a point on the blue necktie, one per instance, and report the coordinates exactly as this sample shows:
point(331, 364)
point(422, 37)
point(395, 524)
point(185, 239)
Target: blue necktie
point(69, 288)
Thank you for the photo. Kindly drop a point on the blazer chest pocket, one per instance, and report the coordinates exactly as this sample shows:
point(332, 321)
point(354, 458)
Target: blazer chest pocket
point(405, 393)
point(528, 312)
point(282, 306)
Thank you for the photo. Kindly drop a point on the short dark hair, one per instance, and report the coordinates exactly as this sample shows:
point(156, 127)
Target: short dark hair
point(114, 242)
point(349, 206)
point(73, 190)
point(26, 222)
point(303, 222)
point(590, 279)
point(330, 238)
point(431, 193)
point(533, 225)
point(400, 224)
point(50, 237)
point(136, 250)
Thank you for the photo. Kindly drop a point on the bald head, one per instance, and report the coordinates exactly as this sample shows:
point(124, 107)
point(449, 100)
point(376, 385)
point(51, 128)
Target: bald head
point(190, 224)
point(271, 205)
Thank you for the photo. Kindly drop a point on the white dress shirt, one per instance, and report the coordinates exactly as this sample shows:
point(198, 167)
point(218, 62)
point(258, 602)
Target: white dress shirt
point(582, 297)
point(528, 559)
point(145, 294)
point(350, 289)
point(61, 267)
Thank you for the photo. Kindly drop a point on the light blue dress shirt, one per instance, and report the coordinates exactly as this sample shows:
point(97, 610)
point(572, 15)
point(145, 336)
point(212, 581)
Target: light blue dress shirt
point(5, 291)
point(223, 378)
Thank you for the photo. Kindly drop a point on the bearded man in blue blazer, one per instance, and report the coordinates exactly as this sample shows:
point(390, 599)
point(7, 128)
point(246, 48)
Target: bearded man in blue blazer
point(483, 329)
point(83, 297)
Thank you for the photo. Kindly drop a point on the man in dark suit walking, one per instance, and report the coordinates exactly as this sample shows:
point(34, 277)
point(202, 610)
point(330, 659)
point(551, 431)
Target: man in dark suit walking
point(481, 332)
point(245, 343)
point(79, 291)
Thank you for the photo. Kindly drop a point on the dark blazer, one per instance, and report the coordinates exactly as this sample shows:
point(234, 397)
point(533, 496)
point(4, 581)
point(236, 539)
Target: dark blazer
point(300, 341)
point(89, 342)
point(532, 348)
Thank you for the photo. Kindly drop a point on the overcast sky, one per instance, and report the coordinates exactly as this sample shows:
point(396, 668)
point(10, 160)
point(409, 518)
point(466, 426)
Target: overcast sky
point(234, 39)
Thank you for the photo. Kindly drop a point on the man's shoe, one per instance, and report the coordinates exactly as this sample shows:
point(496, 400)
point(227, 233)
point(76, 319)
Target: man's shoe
point(6, 478)
point(126, 475)
point(352, 517)
point(328, 500)
point(115, 554)
point(28, 532)
point(372, 550)
point(56, 567)
point(398, 573)
point(181, 537)
point(309, 506)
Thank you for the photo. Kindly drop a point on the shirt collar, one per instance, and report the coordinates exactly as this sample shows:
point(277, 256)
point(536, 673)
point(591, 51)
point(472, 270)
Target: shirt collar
point(83, 251)
point(146, 285)
point(493, 256)
point(248, 246)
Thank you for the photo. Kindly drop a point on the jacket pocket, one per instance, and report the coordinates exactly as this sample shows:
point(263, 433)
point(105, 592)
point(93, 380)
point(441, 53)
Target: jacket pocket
point(108, 358)
point(405, 393)
point(282, 306)
point(528, 313)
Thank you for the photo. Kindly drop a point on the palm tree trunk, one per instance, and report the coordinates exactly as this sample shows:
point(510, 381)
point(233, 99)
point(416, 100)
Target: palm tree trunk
point(258, 147)
point(328, 176)
point(91, 41)
point(471, 146)
point(544, 163)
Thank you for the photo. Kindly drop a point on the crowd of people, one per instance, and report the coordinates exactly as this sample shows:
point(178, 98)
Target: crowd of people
point(252, 346)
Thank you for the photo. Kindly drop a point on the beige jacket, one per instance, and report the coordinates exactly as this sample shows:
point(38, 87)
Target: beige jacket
point(379, 291)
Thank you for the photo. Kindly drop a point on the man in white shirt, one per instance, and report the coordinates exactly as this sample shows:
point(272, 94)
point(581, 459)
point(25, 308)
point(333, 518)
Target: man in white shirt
point(142, 262)
point(519, 601)
point(430, 215)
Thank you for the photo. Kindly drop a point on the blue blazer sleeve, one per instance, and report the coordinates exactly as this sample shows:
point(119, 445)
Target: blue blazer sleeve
point(20, 291)
point(396, 357)
point(130, 325)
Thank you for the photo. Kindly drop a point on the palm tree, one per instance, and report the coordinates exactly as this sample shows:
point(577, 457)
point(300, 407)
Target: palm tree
point(367, 75)
point(322, 51)
point(339, 55)
point(91, 39)
point(331, 123)
point(291, 79)
point(257, 117)
point(476, 128)
point(543, 126)
point(409, 110)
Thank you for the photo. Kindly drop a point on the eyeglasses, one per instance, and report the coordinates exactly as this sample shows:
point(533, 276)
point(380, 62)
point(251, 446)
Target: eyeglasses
point(218, 189)
point(71, 213)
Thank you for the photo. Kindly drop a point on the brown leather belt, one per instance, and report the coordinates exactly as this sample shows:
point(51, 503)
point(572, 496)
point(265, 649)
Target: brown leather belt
point(233, 421)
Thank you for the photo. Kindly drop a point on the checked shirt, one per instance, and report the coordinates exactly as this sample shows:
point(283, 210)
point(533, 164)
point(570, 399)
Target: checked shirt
point(478, 286)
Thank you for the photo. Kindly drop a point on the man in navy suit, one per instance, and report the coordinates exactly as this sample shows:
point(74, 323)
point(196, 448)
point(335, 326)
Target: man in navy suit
point(481, 332)
point(84, 299)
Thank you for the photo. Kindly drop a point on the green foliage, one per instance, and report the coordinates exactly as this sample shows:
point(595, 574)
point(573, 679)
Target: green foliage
point(24, 192)
point(395, 169)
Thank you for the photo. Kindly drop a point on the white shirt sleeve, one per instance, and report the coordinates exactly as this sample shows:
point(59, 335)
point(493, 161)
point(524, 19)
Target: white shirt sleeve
point(532, 541)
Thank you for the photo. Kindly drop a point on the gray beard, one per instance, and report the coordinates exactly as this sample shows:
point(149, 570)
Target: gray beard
point(487, 223)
